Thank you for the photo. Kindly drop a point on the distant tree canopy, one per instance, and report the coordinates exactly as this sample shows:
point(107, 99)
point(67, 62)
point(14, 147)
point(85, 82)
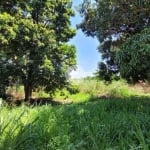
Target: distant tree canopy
point(134, 57)
point(33, 44)
point(114, 22)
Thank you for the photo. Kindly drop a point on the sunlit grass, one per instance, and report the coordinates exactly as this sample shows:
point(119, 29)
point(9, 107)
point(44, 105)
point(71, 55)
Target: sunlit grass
point(85, 89)
point(92, 88)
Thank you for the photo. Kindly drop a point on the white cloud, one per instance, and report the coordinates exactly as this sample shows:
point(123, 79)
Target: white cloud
point(80, 73)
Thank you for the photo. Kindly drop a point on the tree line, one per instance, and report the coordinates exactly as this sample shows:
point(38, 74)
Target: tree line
point(123, 30)
point(34, 35)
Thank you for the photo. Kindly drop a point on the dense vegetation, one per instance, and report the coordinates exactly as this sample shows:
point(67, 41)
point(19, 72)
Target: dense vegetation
point(85, 114)
point(119, 121)
point(33, 45)
point(133, 58)
point(114, 24)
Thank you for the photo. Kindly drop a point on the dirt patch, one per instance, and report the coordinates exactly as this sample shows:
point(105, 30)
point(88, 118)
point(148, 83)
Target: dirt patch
point(143, 86)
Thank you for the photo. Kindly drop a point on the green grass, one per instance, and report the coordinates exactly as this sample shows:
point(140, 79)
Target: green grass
point(119, 122)
point(92, 88)
point(100, 125)
point(88, 88)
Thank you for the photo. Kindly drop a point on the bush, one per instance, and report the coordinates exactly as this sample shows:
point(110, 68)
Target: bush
point(73, 89)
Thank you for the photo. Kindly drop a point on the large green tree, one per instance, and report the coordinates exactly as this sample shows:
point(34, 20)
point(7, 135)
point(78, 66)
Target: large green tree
point(113, 22)
point(133, 58)
point(33, 44)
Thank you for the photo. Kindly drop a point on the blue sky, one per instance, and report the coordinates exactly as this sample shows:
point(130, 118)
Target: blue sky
point(87, 53)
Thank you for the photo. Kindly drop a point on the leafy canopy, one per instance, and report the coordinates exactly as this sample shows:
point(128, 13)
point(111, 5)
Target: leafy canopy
point(113, 22)
point(33, 44)
point(133, 58)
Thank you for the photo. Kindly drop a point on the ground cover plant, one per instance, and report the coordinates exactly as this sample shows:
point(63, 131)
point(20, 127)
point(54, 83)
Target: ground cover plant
point(40, 109)
point(116, 122)
point(89, 88)
point(106, 124)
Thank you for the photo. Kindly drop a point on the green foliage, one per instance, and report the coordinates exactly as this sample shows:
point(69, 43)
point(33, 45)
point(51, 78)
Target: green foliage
point(33, 49)
point(73, 89)
point(92, 89)
point(133, 58)
point(107, 74)
point(119, 121)
point(105, 124)
point(101, 89)
point(113, 22)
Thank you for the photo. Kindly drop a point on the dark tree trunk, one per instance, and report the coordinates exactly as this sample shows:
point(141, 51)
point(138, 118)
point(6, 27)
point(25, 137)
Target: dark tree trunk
point(28, 85)
point(28, 91)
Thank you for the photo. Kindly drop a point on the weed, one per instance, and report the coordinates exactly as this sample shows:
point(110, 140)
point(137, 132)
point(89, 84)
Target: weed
point(106, 124)
point(120, 121)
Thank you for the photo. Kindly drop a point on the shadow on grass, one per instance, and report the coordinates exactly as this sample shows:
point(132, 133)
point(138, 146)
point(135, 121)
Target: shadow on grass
point(33, 102)
point(112, 99)
point(110, 123)
point(132, 104)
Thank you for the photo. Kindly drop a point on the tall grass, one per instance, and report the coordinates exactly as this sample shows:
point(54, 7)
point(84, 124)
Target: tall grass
point(92, 88)
point(100, 125)
point(116, 88)
point(88, 89)
point(120, 122)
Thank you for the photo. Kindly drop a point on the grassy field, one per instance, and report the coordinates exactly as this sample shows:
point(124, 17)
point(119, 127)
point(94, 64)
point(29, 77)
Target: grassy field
point(93, 89)
point(113, 117)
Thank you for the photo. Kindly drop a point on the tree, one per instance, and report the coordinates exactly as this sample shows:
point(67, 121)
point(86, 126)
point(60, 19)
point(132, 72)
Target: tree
point(113, 22)
point(33, 44)
point(134, 56)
